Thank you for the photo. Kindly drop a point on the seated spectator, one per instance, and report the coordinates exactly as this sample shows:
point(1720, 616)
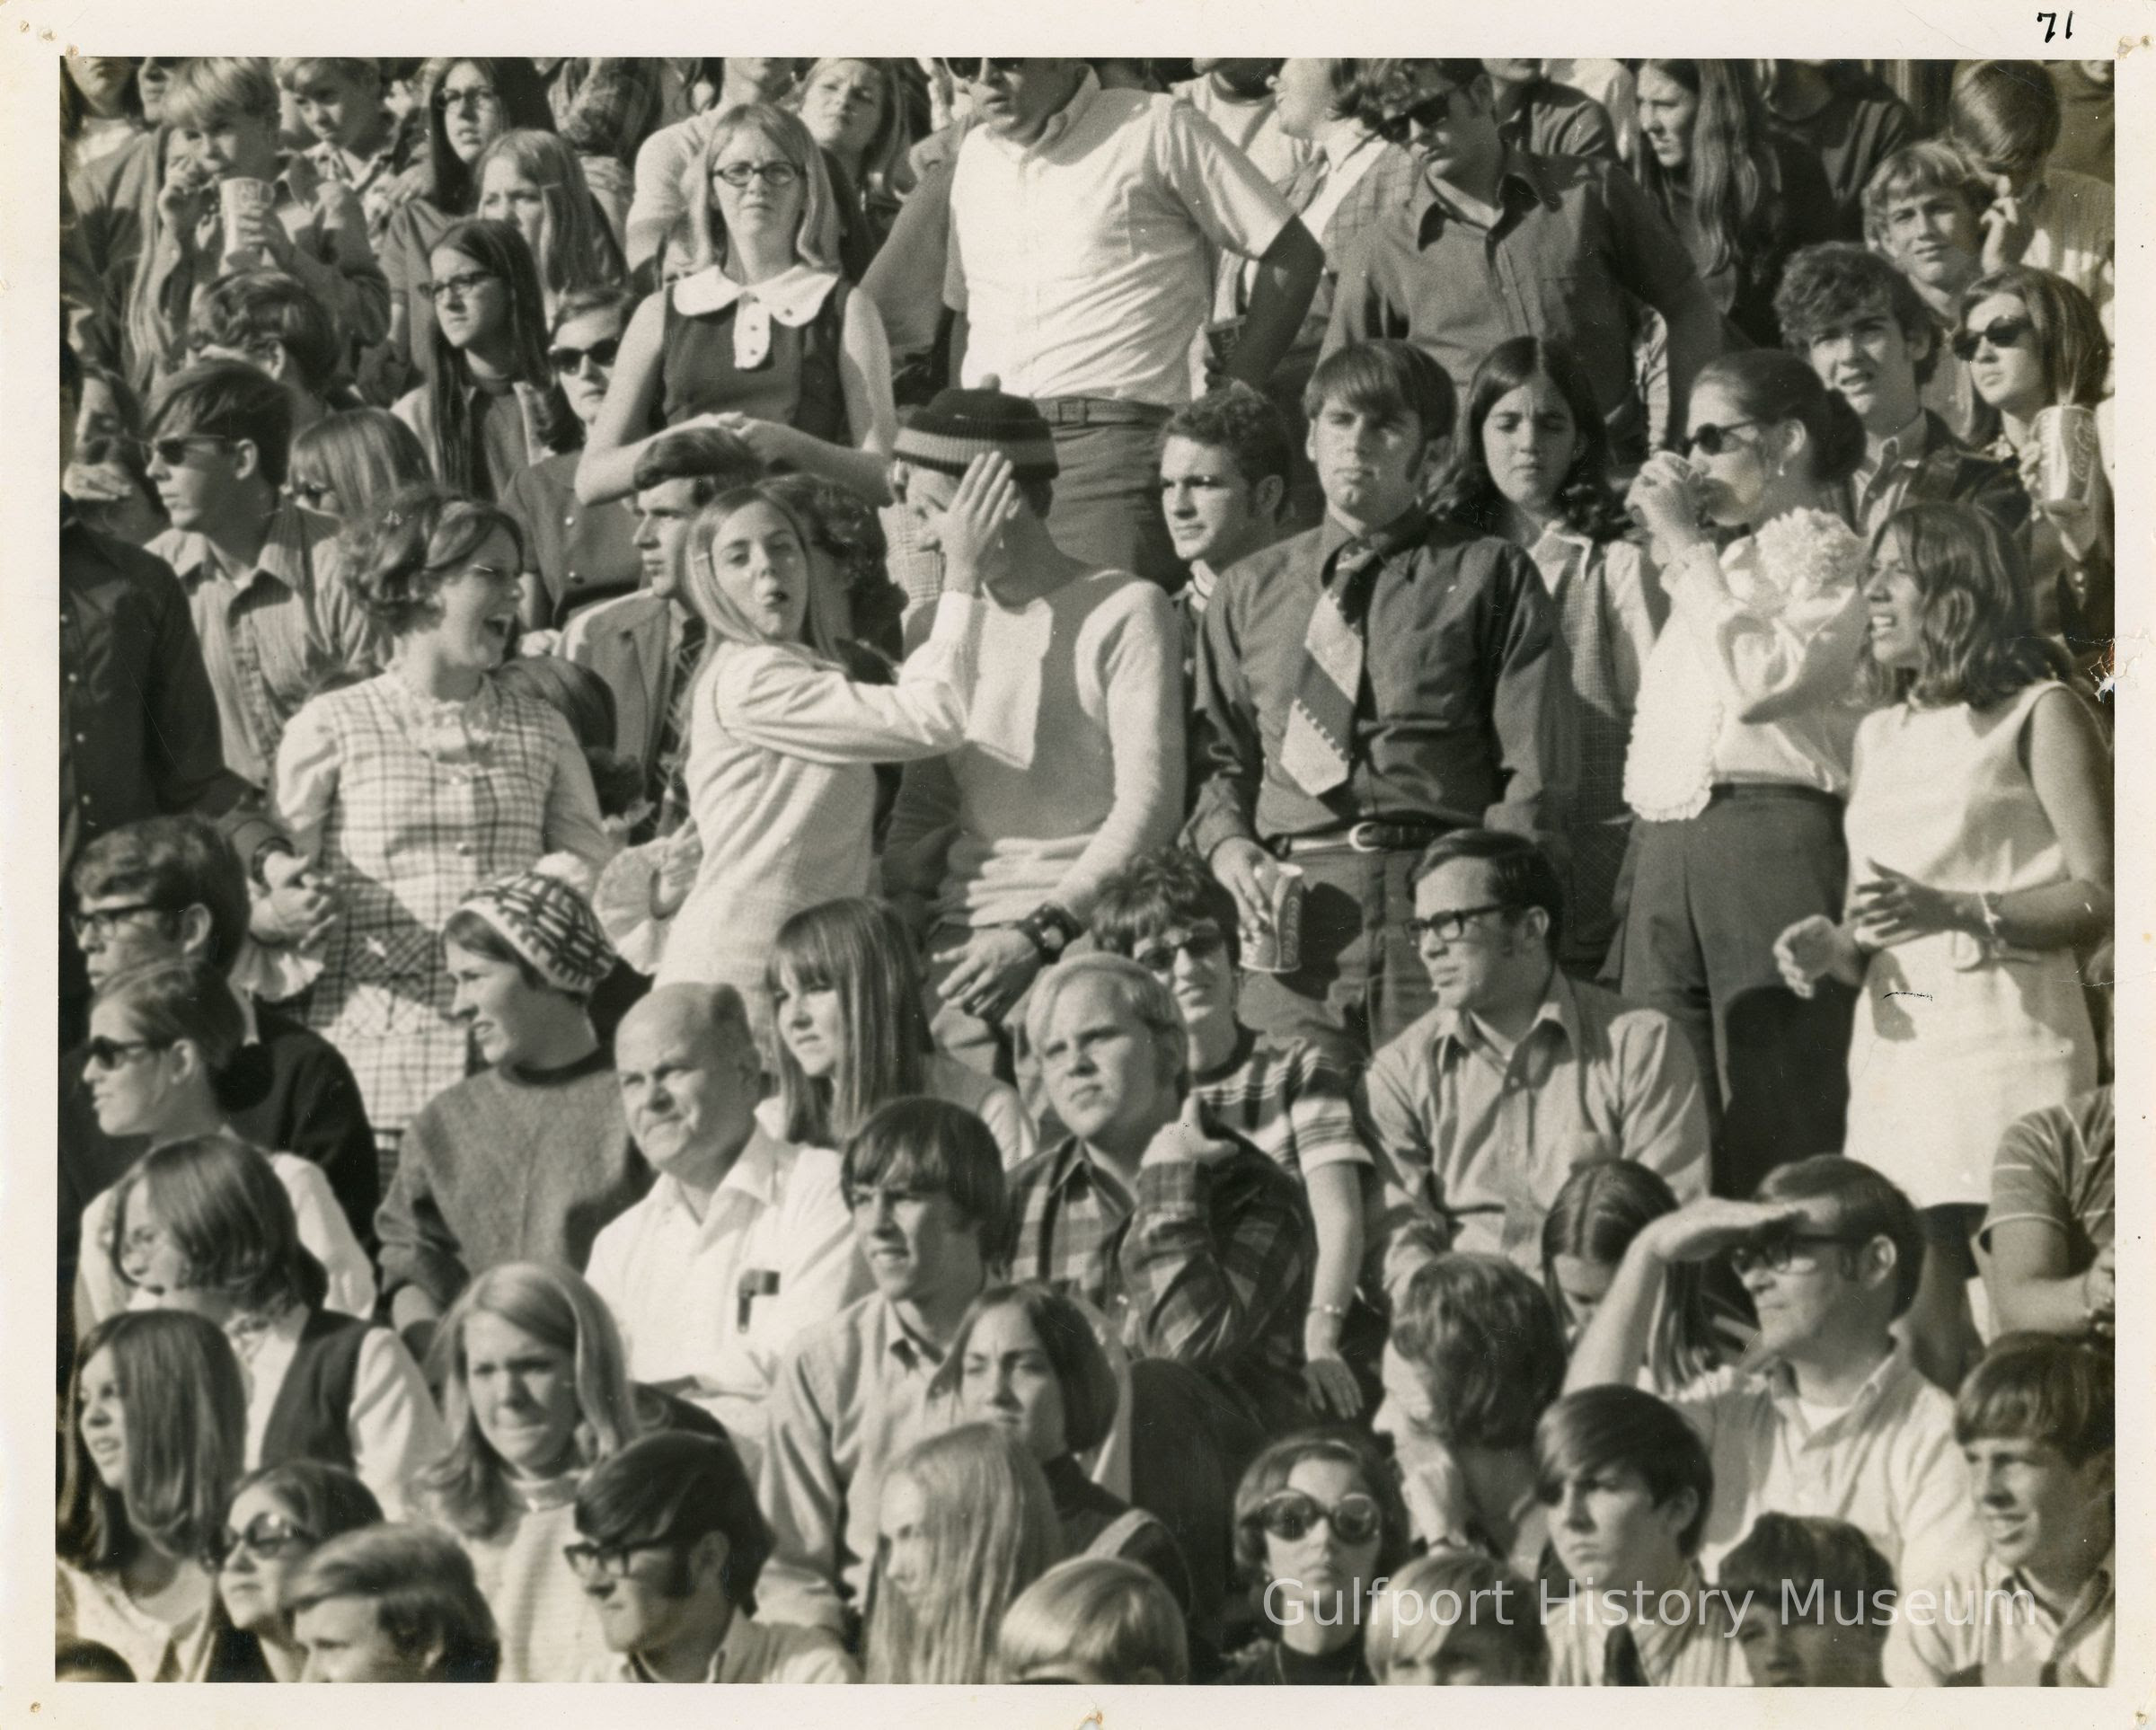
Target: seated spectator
point(203, 1225)
point(278, 1515)
point(964, 1525)
point(1476, 1355)
point(1812, 1593)
point(925, 1183)
point(669, 1545)
point(532, 181)
point(1483, 1108)
point(845, 989)
point(272, 613)
point(530, 1158)
point(2037, 1423)
point(755, 1225)
point(1310, 1592)
point(1095, 1620)
point(574, 555)
point(2053, 1264)
point(160, 1036)
point(1627, 1487)
point(1176, 921)
point(1923, 213)
point(274, 323)
point(156, 1420)
point(341, 103)
point(535, 1395)
point(1604, 1205)
point(1828, 1416)
point(392, 1604)
point(224, 119)
point(1536, 112)
point(1849, 121)
point(1224, 470)
point(1428, 1628)
point(348, 463)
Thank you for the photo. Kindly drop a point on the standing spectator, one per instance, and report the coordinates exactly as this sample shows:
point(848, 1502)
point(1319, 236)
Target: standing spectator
point(1979, 833)
point(605, 110)
point(855, 110)
point(756, 1227)
point(534, 181)
point(1611, 83)
point(100, 108)
point(278, 1515)
point(1095, 320)
point(339, 102)
point(1486, 242)
point(1538, 113)
point(1740, 749)
point(1466, 719)
point(346, 464)
point(1425, 1650)
point(1071, 763)
point(392, 1604)
point(2052, 1262)
point(1530, 465)
point(1237, 96)
point(1849, 121)
point(270, 608)
point(379, 784)
point(1813, 1560)
point(156, 1419)
point(1923, 212)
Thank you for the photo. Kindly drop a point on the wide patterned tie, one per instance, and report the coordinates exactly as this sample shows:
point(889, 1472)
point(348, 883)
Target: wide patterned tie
point(1315, 751)
point(674, 732)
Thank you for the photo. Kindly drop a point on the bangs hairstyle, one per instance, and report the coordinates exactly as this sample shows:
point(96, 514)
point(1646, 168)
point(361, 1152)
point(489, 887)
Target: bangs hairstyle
point(1787, 1549)
point(930, 1144)
point(1865, 1205)
point(1393, 1635)
point(231, 400)
point(1521, 875)
point(1469, 492)
point(1241, 421)
point(1101, 1613)
point(861, 950)
point(1166, 887)
point(2041, 1387)
point(1485, 1344)
point(1074, 1351)
point(576, 249)
point(325, 1501)
point(883, 159)
point(205, 90)
point(1389, 380)
point(707, 594)
point(816, 238)
point(1838, 281)
point(186, 1433)
point(1383, 91)
point(1977, 626)
point(363, 455)
point(1772, 385)
point(521, 95)
point(2005, 115)
point(166, 1001)
point(716, 460)
point(174, 864)
point(403, 549)
point(467, 1486)
point(990, 1530)
point(1147, 1001)
point(460, 457)
point(1269, 1473)
point(256, 306)
point(1732, 178)
point(1596, 1428)
point(2070, 334)
point(222, 1204)
point(676, 1488)
point(424, 1590)
point(1917, 171)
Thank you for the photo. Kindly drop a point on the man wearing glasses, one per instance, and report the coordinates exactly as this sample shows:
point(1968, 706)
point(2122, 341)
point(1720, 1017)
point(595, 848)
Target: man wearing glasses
point(1081, 220)
point(1490, 242)
point(1483, 1107)
point(1827, 1416)
point(672, 1544)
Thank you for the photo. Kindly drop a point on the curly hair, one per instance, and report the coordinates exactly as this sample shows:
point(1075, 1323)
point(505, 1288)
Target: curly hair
point(1837, 281)
point(403, 552)
point(1469, 492)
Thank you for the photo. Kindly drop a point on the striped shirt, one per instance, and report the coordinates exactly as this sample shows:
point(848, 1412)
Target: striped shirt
point(1993, 1623)
point(1287, 1099)
point(1694, 1649)
point(2056, 1165)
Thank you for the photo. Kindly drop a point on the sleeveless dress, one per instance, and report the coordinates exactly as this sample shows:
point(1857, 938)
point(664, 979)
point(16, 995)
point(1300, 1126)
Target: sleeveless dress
point(1953, 1042)
point(770, 351)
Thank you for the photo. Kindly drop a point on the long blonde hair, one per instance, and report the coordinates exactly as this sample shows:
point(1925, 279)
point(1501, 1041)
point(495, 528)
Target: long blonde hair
point(576, 249)
point(815, 239)
point(707, 595)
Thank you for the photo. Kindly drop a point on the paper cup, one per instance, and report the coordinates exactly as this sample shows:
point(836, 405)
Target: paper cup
point(236, 199)
point(1280, 949)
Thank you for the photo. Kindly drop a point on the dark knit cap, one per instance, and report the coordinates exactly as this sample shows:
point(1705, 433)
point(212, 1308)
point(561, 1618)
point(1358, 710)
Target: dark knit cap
point(958, 426)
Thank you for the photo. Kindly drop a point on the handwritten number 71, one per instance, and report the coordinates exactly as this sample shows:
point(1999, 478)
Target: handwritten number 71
point(2050, 21)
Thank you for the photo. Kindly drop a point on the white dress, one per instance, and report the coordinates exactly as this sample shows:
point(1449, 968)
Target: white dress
point(1953, 1042)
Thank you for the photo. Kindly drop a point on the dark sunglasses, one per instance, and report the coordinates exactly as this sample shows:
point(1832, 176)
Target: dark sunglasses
point(1711, 440)
point(1780, 1253)
point(566, 359)
point(268, 1537)
point(2000, 333)
point(971, 70)
point(172, 450)
point(1431, 110)
point(1289, 1514)
point(1200, 945)
point(109, 1055)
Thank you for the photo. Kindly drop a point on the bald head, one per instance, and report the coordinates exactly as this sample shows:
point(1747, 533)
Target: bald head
point(690, 1079)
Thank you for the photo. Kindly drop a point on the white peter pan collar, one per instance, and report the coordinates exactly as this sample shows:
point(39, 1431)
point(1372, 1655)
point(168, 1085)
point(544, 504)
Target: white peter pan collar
point(794, 297)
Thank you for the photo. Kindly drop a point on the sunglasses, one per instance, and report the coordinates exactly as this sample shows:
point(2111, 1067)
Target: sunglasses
point(268, 1537)
point(1447, 927)
point(172, 450)
point(109, 1055)
point(972, 70)
point(2000, 333)
point(1427, 110)
point(1201, 944)
point(1289, 1514)
point(1711, 440)
point(739, 174)
point(457, 287)
point(566, 359)
point(1780, 1253)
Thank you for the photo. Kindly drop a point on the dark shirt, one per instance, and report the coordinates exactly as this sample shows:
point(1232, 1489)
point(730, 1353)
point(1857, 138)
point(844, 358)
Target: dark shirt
point(582, 552)
point(1085, 1510)
point(1574, 238)
point(2088, 122)
point(1798, 211)
point(1861, 125)
point(1269, 1664)
point(1945, 471)
point(1465, 715)
point(1558, 120)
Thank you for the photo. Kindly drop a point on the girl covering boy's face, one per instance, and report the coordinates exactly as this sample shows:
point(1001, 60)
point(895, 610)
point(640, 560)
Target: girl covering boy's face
point(1529, 442)
point(809, 1021)
point(1367, 464)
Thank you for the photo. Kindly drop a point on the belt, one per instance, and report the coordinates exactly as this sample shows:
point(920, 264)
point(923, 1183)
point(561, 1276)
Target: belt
point(1099, 411)
point(1370, 837)
point(1723, 789)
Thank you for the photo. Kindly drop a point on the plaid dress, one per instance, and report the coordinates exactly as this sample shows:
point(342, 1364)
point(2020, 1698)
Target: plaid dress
point(416, 803)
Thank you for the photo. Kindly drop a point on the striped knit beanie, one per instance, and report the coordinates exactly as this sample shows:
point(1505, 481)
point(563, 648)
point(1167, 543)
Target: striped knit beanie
point(958, 426)
point(549, 922)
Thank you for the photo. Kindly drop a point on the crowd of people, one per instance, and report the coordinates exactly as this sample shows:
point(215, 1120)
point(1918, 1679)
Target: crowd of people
point(1231, 871)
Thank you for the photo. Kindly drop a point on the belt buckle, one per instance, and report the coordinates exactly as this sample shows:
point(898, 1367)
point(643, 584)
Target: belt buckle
point(1366, 837)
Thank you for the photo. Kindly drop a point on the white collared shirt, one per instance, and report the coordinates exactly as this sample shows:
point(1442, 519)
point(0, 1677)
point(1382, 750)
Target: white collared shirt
point(1081, 260)
point(1994, 1618)
point(753, 1652)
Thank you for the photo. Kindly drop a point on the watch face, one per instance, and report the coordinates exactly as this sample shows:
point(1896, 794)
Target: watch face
point(1051, 937)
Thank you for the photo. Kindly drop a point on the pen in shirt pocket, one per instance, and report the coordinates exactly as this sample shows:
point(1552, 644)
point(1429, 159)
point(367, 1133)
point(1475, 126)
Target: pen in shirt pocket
point(755, 1283)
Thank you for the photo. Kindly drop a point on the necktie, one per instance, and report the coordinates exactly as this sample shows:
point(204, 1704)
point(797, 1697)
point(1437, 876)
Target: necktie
point(1621, 1664)
point(674, 733)
point(1320, 725)
point(1304, 185)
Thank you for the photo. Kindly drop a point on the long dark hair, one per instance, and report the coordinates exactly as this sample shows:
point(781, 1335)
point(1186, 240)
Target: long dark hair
point(1772, 385)
point(524, 106)
point(1732, 174)
point(1469, 494)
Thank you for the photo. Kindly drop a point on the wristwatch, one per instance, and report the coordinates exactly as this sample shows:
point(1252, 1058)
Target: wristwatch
point(1050, 930)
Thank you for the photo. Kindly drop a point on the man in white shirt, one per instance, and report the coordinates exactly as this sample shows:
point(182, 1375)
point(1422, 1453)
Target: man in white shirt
point(1082, 223)
point(743, 1241)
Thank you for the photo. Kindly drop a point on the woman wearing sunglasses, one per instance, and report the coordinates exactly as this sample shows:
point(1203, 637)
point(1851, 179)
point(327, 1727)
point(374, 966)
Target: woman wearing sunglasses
point(1318, 1523)
point(1740, 748)
point(277, 1516)
point(160, 1036)
point(764, 337)
point(156, 1419)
